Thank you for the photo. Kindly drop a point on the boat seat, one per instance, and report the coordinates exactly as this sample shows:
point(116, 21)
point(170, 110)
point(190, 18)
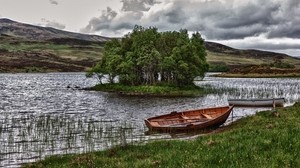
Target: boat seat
point(155, 124)
point(185, 117)
point(207, 116)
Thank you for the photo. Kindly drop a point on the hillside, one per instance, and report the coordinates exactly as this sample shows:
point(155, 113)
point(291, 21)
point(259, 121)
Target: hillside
point(235, 58)
point(29, 48)
point(31, 32)
point(22, 55)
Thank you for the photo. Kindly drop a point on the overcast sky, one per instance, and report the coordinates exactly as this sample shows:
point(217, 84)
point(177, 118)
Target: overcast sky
point(247, 24)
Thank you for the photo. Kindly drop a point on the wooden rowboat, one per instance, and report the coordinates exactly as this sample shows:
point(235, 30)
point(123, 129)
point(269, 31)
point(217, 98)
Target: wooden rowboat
point(278, 102)
point(189, 120)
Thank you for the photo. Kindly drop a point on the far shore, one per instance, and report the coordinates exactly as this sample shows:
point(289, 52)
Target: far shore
point(258, 75)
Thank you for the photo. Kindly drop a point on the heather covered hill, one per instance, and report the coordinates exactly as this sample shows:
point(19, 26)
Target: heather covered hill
point(31, 32)
point(23, 55)
point(235, 58)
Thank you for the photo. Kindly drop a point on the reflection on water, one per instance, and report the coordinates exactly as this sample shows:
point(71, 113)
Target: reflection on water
point(40, 115)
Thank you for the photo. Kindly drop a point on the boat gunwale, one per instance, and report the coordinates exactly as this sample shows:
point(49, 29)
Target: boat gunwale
point(262, 99)
point(180, 112)
point(278, 102)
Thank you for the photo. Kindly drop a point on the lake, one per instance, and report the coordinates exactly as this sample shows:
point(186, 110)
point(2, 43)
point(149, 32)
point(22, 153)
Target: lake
point(45, 114)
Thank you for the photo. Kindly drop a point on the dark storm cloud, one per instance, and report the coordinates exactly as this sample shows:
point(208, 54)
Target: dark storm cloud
point(53, 2)
point(137, 5)
point(287, 30)
point(215, 19)
point(234, 33)
point(175, 16)
point(289, 17)
point(53, 24)
point(252, 14)
point(236, 20)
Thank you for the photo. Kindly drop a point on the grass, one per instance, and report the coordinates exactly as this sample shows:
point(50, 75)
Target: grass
point(233, 59)
point(158, 90)
point(262, 140)
point(75, 52)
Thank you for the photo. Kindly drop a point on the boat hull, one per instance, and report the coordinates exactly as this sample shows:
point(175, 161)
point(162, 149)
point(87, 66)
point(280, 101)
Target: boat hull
point(194, 120)
point(278, 102)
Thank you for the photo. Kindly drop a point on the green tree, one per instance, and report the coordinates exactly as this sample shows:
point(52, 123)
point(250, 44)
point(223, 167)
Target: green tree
point(112, 59)
point(199, 64)
point(109, 65)
point(147, 57)
point(97, 71)
point(166, 43)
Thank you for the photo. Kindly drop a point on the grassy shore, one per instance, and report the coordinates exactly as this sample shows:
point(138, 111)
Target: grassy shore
point(158, 90)
point(266, 139)
point(258, 75)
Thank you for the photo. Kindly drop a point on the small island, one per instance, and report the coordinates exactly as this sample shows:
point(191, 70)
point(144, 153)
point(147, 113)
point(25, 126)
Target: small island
point(150, 63)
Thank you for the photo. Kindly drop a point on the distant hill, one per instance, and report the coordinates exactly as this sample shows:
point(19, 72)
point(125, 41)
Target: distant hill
point(29, 48)
point(39, 33)
point(220, 48)
point(235, 58)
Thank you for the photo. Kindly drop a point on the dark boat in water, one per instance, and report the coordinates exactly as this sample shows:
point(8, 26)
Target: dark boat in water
point(278, 102)
point(189, 120)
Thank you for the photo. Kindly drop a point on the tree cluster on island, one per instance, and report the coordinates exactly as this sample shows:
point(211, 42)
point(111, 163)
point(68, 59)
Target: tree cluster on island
point(148, 57)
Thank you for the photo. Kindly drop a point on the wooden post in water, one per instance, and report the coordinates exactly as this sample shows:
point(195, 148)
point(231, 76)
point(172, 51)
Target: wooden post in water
point(274, 106)
point(275, 113)
point(232, 115)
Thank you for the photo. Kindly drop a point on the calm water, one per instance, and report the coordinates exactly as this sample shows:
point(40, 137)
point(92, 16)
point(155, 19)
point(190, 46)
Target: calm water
point(40, 115)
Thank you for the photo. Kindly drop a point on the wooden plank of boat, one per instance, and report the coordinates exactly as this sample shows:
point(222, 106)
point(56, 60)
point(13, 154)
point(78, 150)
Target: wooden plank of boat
point(174, 119)
point(189, 120)
point(278, 102)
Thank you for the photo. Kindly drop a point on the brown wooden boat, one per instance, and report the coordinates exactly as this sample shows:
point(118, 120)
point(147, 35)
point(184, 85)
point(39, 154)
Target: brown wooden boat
point(189, 120)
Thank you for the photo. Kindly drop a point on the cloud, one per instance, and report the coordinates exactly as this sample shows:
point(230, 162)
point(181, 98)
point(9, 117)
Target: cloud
point(103, 22)
point(53, 24)
point(137, 5)
point(112, 21)
point(215, 19)
point(289, 17)
point(53, 2)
